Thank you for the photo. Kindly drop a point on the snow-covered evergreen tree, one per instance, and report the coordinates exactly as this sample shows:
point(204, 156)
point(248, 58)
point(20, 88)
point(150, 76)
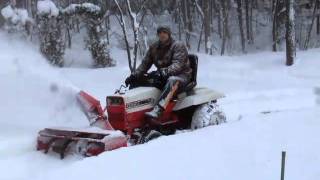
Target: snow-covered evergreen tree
point(51, 35)
point(98, 46)
point(96, 42)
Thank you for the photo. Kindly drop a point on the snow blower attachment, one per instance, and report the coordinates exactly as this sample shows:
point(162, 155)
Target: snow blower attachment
point(126, 121)
point(89, 141)
point(93, 110)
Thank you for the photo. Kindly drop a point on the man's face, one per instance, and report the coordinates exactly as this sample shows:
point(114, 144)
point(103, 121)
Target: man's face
point(163, 36)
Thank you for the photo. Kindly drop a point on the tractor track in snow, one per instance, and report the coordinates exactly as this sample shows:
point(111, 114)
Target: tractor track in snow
point(240, 104)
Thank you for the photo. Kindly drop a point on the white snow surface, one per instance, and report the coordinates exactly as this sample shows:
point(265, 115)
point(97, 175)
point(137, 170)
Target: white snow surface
point(270, 108)
point(47, 7)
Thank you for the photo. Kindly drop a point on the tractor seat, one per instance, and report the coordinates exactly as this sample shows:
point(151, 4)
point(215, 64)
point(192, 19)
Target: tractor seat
point(193, 60)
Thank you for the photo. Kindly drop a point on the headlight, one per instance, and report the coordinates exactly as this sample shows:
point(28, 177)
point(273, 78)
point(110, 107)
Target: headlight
point(114, 101)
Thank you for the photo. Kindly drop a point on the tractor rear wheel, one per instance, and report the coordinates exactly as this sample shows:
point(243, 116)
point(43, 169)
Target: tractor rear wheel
point(206, 115)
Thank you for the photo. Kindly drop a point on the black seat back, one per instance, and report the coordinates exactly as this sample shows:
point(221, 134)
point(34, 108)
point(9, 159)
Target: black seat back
point(193, 59)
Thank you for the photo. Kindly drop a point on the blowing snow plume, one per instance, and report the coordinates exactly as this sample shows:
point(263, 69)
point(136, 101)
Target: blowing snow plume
point(33, 93)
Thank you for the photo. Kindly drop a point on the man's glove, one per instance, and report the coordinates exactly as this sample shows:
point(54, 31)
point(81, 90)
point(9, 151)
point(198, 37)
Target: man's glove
point(160, 73)
point(130, 79)
point(164, 73)
point(155, 74)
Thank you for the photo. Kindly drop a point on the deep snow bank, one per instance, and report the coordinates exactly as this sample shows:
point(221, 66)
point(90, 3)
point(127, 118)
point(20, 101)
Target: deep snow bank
point(247, 149)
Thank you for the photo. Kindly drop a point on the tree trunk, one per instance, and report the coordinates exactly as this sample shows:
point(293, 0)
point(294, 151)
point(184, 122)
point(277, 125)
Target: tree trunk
point(200, 38)
point(250, 23)
point(318, 18)
point(190, 26)
point(275, 25)
point(125, 36)
point(218, 15)
point(34, 8)
point(315, 2)
point(29, 7)
point(107, 23)
point(206, 20)
point(179, 28)
point(211, 16)
point(69, 36)
point(247, 19)
point(224, 7)
point(187, 21)
point(239, 9)
point(290, 33)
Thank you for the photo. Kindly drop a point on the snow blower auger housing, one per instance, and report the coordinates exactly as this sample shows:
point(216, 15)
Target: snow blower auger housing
point(123, 122)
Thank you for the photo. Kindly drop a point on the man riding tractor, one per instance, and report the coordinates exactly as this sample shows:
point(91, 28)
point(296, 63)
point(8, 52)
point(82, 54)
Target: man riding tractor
point(173, 70)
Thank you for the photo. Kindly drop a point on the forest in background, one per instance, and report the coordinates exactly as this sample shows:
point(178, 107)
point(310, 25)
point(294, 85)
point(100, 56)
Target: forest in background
point(223, 27)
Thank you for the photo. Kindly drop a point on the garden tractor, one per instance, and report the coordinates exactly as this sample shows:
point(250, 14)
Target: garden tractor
point(123, 121)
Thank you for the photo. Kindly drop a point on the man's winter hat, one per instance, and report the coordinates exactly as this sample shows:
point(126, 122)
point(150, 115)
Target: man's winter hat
point(164, 29)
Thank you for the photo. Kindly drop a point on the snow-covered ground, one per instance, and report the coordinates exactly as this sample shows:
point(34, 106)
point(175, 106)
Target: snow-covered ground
point(270, 108)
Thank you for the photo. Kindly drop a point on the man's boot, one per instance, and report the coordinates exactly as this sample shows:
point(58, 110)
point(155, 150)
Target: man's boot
point(166, 96)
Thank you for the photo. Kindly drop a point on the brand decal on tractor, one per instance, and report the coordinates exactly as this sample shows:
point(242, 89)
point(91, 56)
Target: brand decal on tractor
point(140, 103)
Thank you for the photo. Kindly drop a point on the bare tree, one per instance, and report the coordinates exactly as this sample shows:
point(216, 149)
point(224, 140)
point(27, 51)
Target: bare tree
point(250, 23)
point(203, 21)
point(122, 23)
point(135, 28)
point(247, 19)
point(217, 15)
point(207, 24)
point(318, 18)
point(187, 20)
point(290, 33)
point(225, 16)
point(275, 9)
point(135, 25)
point(315, 4)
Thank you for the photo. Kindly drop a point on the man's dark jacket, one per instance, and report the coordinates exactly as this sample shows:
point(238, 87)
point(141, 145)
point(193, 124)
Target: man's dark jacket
point(171, 57)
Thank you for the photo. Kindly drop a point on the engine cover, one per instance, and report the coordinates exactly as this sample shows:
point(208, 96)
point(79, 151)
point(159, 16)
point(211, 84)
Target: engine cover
point(139, 99)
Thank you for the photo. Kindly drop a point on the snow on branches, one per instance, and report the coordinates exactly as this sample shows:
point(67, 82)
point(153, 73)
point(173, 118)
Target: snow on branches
point(47, 7)
point(16, 19)
point(51, 34)
point(52, 24)
point(81, 8)
point(135, 26)
point(96, 42)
